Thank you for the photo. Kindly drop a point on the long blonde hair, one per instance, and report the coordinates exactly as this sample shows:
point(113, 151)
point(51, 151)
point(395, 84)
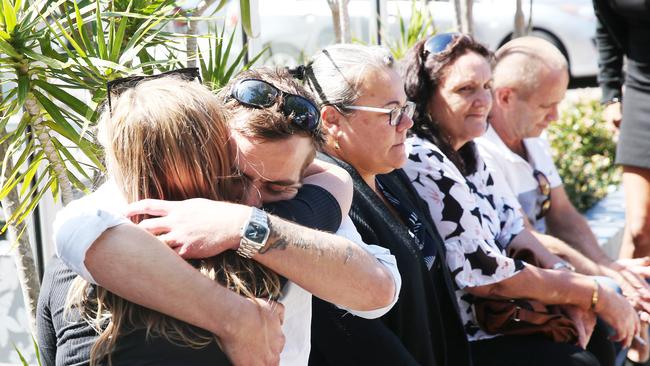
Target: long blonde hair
point(167, 139)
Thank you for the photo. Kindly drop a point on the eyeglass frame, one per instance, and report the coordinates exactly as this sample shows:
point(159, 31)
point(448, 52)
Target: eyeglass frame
point(128, 82)
point(280, 96)
point(544, 186)
point(389, 111)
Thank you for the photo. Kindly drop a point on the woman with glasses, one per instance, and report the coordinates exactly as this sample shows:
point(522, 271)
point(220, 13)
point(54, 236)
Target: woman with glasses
point(366, 116)
point(449, 78)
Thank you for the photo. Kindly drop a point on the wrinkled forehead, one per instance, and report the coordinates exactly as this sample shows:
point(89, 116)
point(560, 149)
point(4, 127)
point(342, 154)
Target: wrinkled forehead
point(378, 85)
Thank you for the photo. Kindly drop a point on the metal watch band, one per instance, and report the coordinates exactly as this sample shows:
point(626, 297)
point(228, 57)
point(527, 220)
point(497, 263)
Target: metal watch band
point(248, 248)
point(564, 265)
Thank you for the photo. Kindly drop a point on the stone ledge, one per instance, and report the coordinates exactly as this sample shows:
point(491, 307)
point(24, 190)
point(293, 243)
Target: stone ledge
point(607, 221)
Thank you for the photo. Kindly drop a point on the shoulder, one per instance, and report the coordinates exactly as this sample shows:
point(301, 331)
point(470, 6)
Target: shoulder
point(490, 143)
point(494, 152)
point(539, 148)
point(540, 153)
point(419, 149)
point(425, 157)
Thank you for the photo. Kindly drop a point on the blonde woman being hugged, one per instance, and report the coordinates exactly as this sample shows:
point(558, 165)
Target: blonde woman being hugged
point(166, 138)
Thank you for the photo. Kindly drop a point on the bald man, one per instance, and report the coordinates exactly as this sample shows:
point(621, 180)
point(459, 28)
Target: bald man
point(530, 79)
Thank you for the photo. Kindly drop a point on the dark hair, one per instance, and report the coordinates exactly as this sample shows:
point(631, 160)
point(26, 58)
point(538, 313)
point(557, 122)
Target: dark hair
point(422, 73)
point(269, 124)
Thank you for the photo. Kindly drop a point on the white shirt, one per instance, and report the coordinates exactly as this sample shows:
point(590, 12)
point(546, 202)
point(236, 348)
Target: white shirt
point(81, 222)
point(508, 167)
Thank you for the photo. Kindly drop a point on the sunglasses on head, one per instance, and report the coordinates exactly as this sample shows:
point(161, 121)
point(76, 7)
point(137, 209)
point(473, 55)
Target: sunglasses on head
point(395, 114)
point(545, 189)
point(118, 86)
point(439, 43)
point(261, 94)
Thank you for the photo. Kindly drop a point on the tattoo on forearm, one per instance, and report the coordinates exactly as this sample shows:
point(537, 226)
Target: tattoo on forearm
point(349, 253)
point(278, 243)
point(284, 235)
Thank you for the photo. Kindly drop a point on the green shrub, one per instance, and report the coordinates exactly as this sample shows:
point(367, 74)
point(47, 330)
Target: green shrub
point(583, 150)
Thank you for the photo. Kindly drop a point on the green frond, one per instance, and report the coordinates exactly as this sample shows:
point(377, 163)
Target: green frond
point(23, 361)
point(215, 64)
point(26, 179)
point(245, 12)
point(71, 160)
point(9, 15)
point(90, 150)
point(68, 100)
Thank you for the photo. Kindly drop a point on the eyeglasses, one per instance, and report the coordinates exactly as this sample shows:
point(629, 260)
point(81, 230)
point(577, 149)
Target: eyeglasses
point(439, 43)
point(545, 189)
point(395, 114)
point(260, 94)
point(118, 86)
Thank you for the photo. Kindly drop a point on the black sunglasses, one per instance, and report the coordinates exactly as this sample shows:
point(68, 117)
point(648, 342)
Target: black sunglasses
point(118, 86)
point(439, 43)
point(545, 189)
point(261, 94)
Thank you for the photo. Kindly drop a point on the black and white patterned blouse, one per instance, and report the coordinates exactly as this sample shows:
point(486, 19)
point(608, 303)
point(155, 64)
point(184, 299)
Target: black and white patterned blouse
point(476, 223)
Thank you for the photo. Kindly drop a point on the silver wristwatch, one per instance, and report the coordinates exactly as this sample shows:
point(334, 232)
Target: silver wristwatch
point(564, 265)
point(254, 234)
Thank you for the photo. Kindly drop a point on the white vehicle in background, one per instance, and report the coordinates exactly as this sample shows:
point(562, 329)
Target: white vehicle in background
point(296, 29)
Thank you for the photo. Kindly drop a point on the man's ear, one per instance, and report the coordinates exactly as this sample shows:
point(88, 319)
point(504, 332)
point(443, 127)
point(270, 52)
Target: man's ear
point(504, 96)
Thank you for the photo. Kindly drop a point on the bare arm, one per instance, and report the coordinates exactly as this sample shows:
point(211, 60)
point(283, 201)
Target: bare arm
point(329, 266)
point(334, 179)
point(567, 224)
point(526, 240)
point(556, 246)
point(566, 288)
point(135, 265)
point(324, 265)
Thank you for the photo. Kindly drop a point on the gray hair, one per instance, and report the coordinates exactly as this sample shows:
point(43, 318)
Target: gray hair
point(335, 73)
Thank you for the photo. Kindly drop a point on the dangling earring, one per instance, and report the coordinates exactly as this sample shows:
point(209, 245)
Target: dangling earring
point(334, 142)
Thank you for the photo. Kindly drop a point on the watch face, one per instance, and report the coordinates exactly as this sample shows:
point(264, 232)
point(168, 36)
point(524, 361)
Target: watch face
point(255, 232)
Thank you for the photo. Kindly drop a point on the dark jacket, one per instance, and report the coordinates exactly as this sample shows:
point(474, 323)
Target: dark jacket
point(622, 29)
point(611, 36)
point(423, 328)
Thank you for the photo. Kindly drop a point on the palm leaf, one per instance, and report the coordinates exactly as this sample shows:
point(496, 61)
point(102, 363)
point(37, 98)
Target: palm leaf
point(66, 98)
point(9, 16)
point(26, 179)
point(245, 11)
point(21, 357)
